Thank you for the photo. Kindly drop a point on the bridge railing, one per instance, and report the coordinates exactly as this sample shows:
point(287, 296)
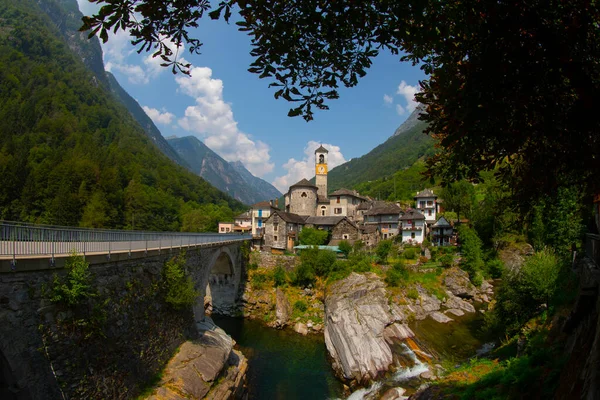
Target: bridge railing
point(22, 239)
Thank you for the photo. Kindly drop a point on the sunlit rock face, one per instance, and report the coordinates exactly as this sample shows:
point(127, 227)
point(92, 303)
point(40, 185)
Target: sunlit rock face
point(360, 326)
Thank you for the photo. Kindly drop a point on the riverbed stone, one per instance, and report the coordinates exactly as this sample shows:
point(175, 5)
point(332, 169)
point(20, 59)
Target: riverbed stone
point(458, 283)
point(301, 328)
point(283, 310)
point(455, 311)
point(396, 393)
point(357, 313)
point(439, 317)
point(195, 370)
point(457, 303)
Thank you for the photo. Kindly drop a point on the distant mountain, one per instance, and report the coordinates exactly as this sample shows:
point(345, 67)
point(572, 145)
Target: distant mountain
point(267, 190)
point(242, 186)
point(407, 145)
point(70, 153)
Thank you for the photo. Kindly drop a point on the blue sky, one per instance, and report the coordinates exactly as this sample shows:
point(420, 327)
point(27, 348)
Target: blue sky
point(235, 114)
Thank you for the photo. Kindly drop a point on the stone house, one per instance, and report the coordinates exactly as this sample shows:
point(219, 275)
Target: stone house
point(413, 227)
point(302, 198)
point(426, 203)
point(345, 229)
point(344, 202)
point(369, 235)
point(385, 217)
point(442, 233)
point(281, 230)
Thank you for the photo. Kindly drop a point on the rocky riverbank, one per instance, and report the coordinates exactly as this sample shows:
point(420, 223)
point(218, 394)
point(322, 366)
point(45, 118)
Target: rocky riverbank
point(206, 368)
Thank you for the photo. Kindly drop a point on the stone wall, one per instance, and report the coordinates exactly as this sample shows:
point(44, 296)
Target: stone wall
point(303, 205)
point(270, 261)
point(344, 227)
point(112, 344)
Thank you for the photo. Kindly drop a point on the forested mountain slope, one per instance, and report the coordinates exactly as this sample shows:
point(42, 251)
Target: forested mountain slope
point(212, 167)
point(69, 153)
point(401, 150)
point(263, 187)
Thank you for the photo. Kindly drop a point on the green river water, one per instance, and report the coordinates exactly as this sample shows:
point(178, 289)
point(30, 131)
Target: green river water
point(286, 365)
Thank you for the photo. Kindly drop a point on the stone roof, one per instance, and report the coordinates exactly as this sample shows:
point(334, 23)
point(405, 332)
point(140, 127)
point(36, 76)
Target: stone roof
point(412, 214)
point(321, 149)
point(289, 217)
point(245, 215)
point(425, 193)
point(368, 228)
point(441, 223)
point(345, 192)
point(322, 199)
point(329, 221)
point(384, 208)
point(264, 204)
point(364, 205)
point(303, 183)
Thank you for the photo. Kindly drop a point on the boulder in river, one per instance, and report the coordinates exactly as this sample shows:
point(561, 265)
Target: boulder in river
point(356, 316)
point(282, 309)
point(458, 283)
point(207, 367)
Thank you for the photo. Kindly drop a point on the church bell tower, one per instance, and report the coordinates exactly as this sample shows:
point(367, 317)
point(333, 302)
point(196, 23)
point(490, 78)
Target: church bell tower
point(321, 171)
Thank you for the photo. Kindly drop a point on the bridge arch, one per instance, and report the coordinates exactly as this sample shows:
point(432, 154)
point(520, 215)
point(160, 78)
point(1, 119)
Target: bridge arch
point(219, 286)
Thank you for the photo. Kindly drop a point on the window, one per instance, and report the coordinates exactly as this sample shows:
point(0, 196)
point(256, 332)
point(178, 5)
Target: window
point(222, 229)
point(430, 213)
point(226, 229)
point(429, 203)
point(275, 238)
point(345, 236)
point(337, 210)
point(422, 204)
point(275, 227)
point(338, 199)
point(321, 159)
point(303, 194)
point(412, 235)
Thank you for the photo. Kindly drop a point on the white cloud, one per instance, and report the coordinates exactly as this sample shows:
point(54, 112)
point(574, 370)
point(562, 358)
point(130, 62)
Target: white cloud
point(159, 117)
point(408, 92)
point(211, 119)
point(305, 168)
point(400, 110)
point(387, 99)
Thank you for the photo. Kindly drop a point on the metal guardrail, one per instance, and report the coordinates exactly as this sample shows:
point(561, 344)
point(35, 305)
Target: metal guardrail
point(22, 239)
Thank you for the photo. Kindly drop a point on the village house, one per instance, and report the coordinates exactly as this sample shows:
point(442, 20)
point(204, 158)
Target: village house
point(344, 202)
point(281, 231)
point(226, 227)
point(341, 228)
point(413, 227)
point(369, 235)
point(426, 203)
point(243, 222)
point(260, 212)
point(442, 233)
point(384, 216)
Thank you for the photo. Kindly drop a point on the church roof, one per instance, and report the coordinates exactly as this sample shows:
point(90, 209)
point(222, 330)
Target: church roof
point(303, 183)
point(346, 192)
point(412, 214)
point(425, 193)
point(322, 200)
point(321, 149)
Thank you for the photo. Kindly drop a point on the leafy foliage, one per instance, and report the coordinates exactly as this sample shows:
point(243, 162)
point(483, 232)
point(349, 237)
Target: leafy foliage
point(279, 276)
point(178, 284)
point(459, 197)
point(345, 247)
point(472, 254)
point(69, 153)
point(76, 286)
point(383, 250)
point(396, 274)
point(313, 236)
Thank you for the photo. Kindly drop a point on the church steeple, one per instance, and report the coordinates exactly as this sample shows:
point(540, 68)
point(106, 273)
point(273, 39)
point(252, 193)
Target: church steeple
point(321, 171)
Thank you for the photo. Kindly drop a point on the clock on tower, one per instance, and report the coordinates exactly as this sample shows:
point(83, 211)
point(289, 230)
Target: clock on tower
point(321, 171)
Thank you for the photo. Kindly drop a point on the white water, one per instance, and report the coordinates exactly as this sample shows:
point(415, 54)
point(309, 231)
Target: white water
point(402, 375)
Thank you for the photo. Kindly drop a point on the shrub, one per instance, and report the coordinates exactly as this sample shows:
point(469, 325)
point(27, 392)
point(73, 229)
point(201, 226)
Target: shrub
point(76, 285)
point(362, 266)
point(412, 294)
point(300, 306)
point(258, 280)
point(447, 260)
point(324, 261)
point(339, 270)
point(345, 247)
point(304, 275)
point(382, 251)
point(252, 266)
point(472, 255)
point(178, 284)
point(410, 254)
point(279, 276)
point(313, 236)
point(423, 259)
point(495, 268)
point(396, 274)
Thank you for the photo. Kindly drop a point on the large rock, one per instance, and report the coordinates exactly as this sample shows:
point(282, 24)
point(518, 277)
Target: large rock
point(458, 283)
point(207, 367)
point(356, 316)
point(454, 302)
point(439, 317)
point(283, 310)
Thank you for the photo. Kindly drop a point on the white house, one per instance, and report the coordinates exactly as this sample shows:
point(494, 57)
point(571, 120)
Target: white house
point(260, 212)
point(413, 227)
point(427, 204)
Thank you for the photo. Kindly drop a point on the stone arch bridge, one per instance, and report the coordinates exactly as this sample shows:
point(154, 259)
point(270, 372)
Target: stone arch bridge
point(30, 256)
